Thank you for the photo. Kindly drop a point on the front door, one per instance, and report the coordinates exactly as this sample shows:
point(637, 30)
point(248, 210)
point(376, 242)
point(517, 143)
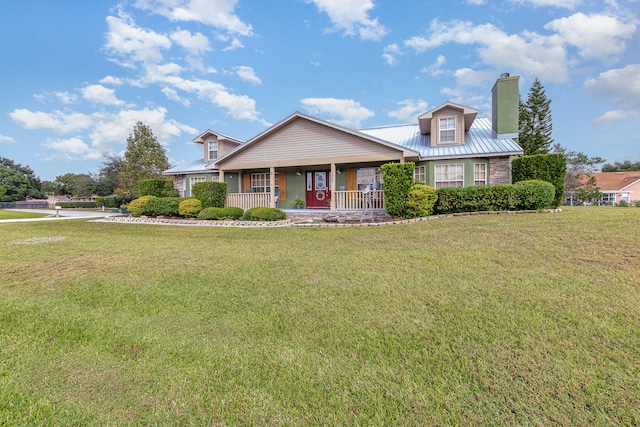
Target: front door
point(318, 190)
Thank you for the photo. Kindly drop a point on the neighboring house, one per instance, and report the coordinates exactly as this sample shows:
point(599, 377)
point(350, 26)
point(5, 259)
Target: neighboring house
point(52, 201)
point(616, 186)
point(333, 167)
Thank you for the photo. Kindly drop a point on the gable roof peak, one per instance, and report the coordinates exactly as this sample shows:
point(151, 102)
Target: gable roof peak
point(425, 119)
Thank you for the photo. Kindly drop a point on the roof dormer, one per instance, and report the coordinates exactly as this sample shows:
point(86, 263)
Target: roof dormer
point(447, 123)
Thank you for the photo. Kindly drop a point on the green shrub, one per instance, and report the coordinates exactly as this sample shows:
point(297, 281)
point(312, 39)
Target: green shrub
point(190, 208)
point(535, 194)
point(157, 187)
point(637, 204)
point(623, 204)
point(163, 206)
point(108, 202)
point(546, 167)
point(230, 212)
point(264, 214)
point(211, 194)
point(85, 205)
point(476, 199)
point(420, 201)
point(138, 206)
point(398, 179)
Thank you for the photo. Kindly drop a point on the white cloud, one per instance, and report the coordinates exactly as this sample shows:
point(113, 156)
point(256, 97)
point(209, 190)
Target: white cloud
point(346, 112)
point(351, 17)
point(568, 4)
point(391, 53)
point(72, 149)
point(196, 44)
point(623, 86)
point(100, 95)
point(6, 139)
point(131, 43)
point(111, 80)
point(103, 129)
point(469, 77)
point(409, 110)
point(476, 2)
point(435, 69)
point(528, 53)
point(219, 14)
point(248, 75)
point(66, 97)
point(597, 36)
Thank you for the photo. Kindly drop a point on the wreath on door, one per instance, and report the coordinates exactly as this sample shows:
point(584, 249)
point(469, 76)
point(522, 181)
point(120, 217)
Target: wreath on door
point(320, 195)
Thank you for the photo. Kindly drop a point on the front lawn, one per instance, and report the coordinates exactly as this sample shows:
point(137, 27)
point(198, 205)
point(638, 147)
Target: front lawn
point(523, 319)
point(4, 214)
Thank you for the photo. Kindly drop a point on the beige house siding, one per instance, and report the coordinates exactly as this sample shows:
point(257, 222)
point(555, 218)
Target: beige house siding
point(303, 142)
point(435, 126)
point(223, 147)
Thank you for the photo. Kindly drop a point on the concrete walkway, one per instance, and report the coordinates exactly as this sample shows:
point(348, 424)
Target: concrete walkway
point(63, 214)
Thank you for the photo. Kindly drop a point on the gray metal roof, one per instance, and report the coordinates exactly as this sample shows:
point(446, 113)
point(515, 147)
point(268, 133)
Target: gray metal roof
point(196, 166)
point(478, 142)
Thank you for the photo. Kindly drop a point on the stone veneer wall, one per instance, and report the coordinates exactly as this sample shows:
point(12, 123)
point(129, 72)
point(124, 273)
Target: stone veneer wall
point(499, 171)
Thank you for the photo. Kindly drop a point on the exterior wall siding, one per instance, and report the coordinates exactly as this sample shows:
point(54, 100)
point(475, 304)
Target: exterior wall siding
point(435, 127)
point(303, 140)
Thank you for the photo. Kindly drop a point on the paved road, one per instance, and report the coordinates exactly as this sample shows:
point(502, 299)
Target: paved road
point(63, 214)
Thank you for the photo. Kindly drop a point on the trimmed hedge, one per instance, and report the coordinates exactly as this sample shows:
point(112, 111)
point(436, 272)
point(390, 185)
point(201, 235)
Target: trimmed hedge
point(535, 194)
point(163, 206)
point(420, 201)
point(527, 195)
point(138, 206)
point(546, 167)
point(264, 214)
point(190, 208)
point(398, 179)
point(108, 202)
point(211, 194)
point(157, 187)
point(229, 212)
point(86, 205)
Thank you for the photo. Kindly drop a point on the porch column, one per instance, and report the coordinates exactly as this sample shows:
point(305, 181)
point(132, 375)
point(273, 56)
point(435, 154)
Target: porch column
point(220, 175)
point(272, 187)
point(332, 203)
point(402, 160)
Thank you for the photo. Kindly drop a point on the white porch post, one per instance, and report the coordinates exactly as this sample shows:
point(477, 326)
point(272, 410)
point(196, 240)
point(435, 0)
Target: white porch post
point(220, 175)
point(332, 203)
point(402, 160)
point(272, 187)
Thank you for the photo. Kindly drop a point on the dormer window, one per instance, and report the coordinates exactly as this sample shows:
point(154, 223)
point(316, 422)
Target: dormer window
point(448, 129)
point(213, 150)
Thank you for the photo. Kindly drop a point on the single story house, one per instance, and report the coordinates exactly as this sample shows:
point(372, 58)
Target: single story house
point(333, 167)
point(617, 186)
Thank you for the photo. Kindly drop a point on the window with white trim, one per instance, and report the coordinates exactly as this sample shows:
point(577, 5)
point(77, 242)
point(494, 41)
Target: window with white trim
point(479, 174)
point(608, 198)
point(368, 177)
point(449, 175)
point(261, 182)
point(213, 150)
point(420, 174)
point(448, 129)
point(195, 180)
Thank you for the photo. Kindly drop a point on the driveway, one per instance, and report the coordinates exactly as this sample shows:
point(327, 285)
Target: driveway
point(63, 214)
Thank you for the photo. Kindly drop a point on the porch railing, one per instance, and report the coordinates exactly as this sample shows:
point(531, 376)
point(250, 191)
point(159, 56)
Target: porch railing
point(248, 200)
point(356, 200)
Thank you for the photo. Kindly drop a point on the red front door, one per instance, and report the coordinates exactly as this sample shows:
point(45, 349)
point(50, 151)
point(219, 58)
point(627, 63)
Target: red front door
point(318, 189)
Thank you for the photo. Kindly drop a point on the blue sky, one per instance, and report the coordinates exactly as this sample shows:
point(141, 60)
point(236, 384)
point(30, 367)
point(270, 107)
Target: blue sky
point(77, 75)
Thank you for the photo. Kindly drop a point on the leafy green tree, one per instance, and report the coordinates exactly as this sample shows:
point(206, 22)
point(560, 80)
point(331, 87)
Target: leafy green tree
point(27, 172)
point(17, 186)
point(589, 192)
point(535, 124)
point(578, 165)
point(626, 166)
point(145, 158)
point(107, 177)
point(3, 191)
point(73, 184)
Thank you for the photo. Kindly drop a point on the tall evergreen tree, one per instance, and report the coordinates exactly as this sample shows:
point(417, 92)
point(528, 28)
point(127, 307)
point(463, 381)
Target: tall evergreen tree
point(535, 121)
point(144, 159)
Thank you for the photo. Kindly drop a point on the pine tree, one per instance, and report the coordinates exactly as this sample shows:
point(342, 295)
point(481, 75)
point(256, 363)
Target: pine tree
point(144, 159)
point(535, 121)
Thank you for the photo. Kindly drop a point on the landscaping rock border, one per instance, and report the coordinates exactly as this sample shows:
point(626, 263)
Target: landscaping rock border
point(290, 223)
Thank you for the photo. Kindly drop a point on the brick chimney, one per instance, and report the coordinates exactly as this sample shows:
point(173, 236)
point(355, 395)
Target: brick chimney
point(504, 107)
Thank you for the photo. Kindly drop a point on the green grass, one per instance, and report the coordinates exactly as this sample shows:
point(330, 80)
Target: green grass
point(479, 320)
point(19, 215)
